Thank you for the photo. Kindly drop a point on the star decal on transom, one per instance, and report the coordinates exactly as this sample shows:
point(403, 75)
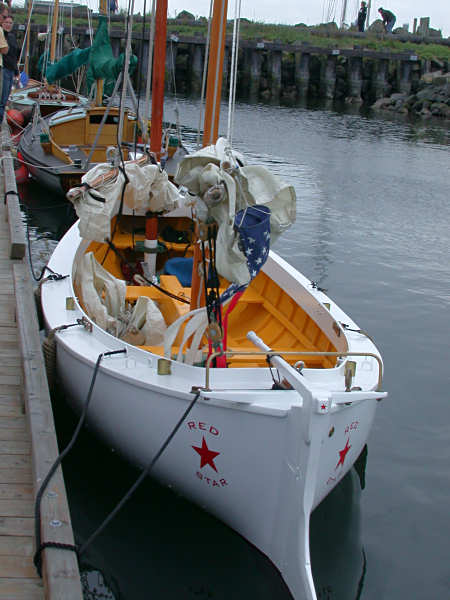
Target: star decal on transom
point(207, 456)
point(343, 453)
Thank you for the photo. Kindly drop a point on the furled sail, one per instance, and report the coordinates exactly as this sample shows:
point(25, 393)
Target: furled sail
point(148, 189)
point(250, 205)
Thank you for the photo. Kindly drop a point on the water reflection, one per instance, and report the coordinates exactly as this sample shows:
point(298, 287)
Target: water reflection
point(337, 554)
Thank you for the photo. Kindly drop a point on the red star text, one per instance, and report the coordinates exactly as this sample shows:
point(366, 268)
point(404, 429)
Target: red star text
point(207, 456)
point(343, 454)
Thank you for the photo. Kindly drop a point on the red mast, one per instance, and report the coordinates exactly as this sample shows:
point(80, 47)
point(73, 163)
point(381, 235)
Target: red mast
point(159, 66)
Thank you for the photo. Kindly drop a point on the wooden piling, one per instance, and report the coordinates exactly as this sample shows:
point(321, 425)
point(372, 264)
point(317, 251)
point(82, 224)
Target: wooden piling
point(255, 74)
point(404, 76)
point(355, 78)
point(260, 72)
point(275, 75)
point(379, 81)
point(196, 61)
point(328, 76)
point(302, 73)
point(28, 445)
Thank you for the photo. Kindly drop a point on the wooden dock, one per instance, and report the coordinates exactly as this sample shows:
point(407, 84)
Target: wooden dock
point(28, 445)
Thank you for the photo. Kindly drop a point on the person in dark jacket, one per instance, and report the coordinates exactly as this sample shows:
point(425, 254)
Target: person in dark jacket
point(10, 70)
point(362, 15)
point(388, 19)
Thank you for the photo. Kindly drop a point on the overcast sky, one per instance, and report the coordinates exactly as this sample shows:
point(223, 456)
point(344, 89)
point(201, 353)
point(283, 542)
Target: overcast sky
point(312, 12)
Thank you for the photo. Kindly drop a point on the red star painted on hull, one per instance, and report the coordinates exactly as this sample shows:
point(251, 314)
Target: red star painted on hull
point(343, 453)
point(207, 456)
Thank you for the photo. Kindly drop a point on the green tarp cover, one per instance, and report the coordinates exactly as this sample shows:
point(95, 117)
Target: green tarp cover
point(102, 64)
point(99, 58)
point(65, 66)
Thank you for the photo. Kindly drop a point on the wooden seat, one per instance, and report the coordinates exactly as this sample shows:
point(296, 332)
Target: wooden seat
point(259, 360)
point(170, 307)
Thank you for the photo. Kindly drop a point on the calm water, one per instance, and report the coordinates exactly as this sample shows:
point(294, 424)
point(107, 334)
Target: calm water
point(373, 229)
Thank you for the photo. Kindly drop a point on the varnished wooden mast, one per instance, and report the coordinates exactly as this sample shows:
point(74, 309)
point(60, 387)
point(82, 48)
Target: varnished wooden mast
point(54, 28)
point(215, 72)
point(159, 66)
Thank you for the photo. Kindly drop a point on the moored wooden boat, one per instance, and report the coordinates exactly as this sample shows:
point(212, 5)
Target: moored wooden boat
point(263, 445)
point(194, 343)
point(59, 149)
point(49, 97)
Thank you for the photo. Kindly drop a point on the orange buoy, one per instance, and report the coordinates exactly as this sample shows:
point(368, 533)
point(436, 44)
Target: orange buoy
point(20, 170)
point(15, 118)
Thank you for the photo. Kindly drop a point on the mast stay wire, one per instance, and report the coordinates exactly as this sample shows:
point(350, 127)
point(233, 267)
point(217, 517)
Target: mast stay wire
point(234, 63)
point(27, 33)
point(174, 84)
point(205, 70)
point(139, 79)
point(125, 73)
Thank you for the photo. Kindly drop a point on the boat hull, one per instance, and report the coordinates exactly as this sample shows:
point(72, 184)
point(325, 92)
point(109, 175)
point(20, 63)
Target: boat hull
point(32, 95)
point(259, 459)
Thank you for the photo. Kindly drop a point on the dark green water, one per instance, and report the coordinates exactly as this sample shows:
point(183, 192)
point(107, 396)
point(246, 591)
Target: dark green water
point(373, 229)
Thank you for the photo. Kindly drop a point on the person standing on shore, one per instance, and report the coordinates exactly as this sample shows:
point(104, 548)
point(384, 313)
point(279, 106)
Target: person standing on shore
point(388, 19)
point(362, 15)
point(10, 70)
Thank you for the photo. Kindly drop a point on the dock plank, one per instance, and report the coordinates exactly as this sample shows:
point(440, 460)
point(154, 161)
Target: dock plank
point(15, 490)
point(15, 475)
point(12, 507)
point(15, 447)
point(12, 434)
point(17, 566)
point(13, 545)
point(21, 589)
point(16, 526)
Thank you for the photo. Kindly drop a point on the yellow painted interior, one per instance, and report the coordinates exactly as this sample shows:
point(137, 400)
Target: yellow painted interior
point(83, 130)
point(264, 308)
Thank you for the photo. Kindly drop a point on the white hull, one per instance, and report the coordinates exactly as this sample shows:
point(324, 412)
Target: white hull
point(275, 453)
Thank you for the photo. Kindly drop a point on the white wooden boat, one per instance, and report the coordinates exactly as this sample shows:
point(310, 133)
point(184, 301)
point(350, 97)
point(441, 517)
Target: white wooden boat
point(258, 458)
point(276, 386)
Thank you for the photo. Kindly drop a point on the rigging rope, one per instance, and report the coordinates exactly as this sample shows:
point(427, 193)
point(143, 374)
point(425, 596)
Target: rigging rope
point(37, 513)
point(234, 61)
point(37, 506)
point(142, 476)
point(205, 70)
point(139, 80)
point(27, 33)
point(150, 65)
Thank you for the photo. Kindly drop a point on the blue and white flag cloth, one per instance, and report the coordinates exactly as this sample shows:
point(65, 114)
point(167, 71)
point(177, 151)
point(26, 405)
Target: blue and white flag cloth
point(252, 225)
point(23, 79)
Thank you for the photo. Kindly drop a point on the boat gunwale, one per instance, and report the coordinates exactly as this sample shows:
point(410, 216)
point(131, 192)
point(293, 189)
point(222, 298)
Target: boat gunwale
point(143, 357)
